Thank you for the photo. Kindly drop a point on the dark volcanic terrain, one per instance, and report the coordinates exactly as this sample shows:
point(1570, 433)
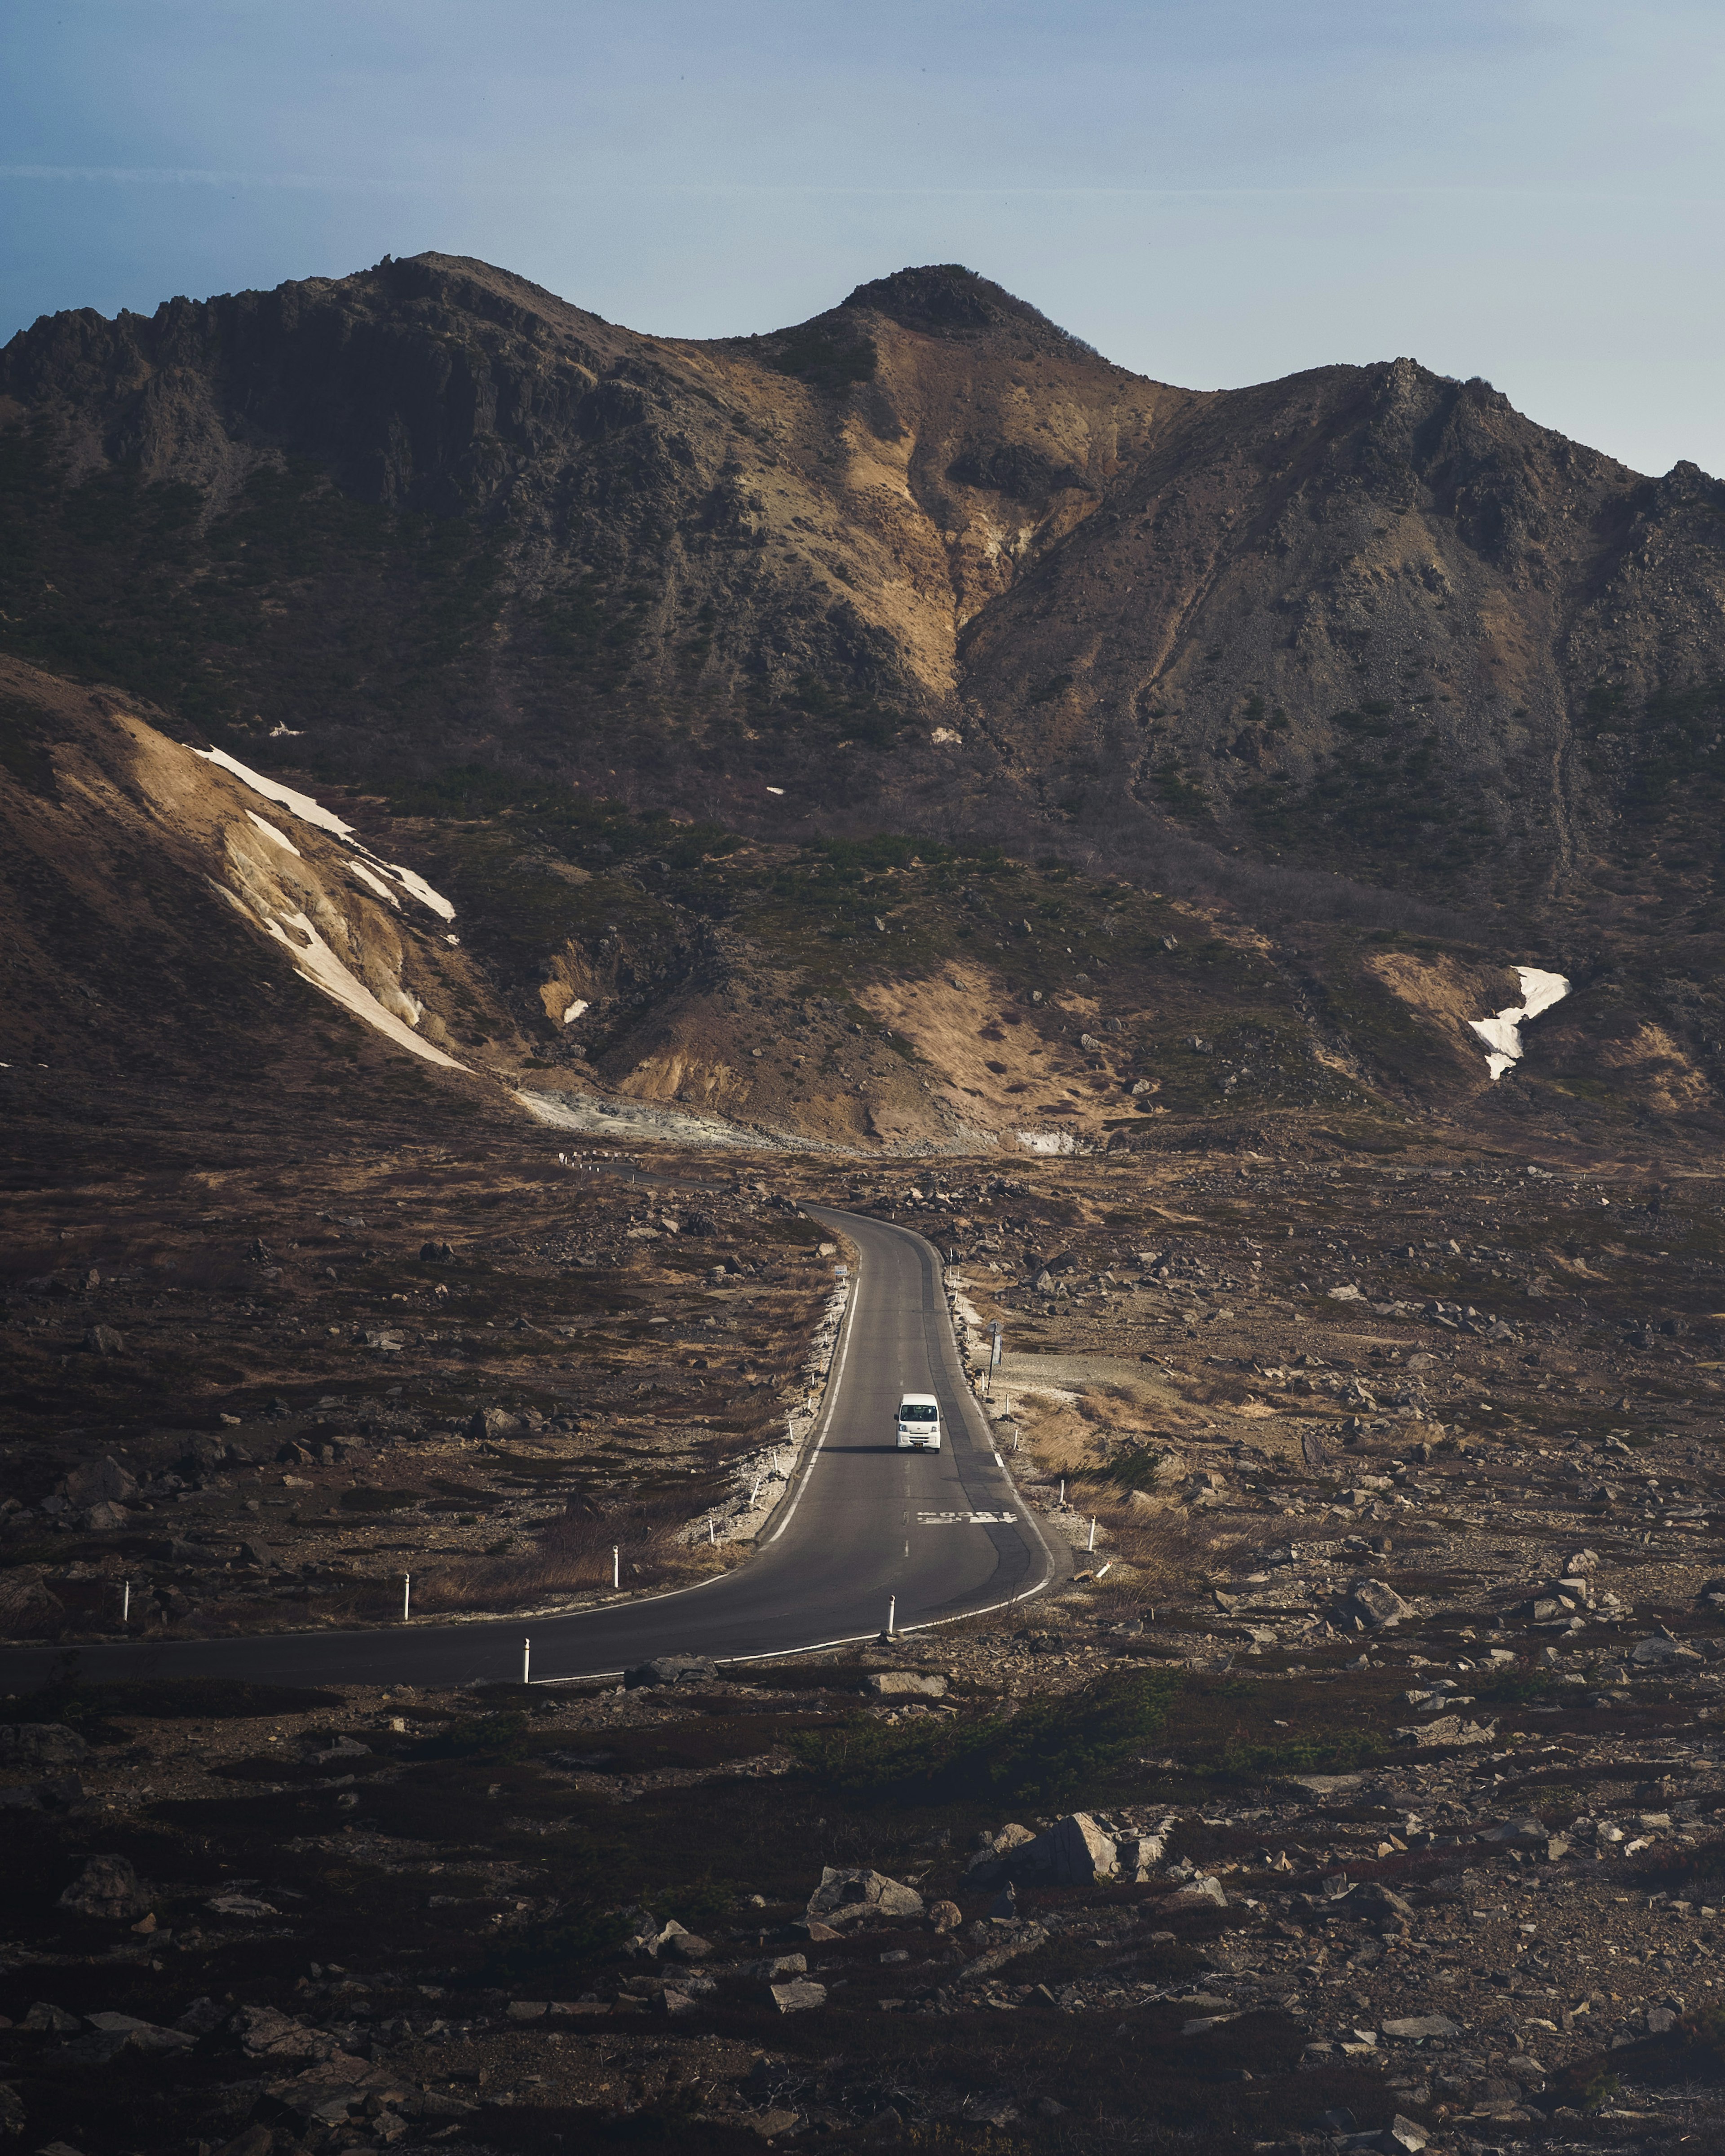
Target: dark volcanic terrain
point(498, 815)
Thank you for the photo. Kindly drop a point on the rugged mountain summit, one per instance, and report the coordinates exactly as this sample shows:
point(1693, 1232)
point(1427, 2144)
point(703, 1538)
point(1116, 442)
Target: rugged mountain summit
point(924, 551)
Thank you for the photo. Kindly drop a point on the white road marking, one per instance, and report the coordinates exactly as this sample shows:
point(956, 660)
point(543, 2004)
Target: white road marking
point(965, 1519)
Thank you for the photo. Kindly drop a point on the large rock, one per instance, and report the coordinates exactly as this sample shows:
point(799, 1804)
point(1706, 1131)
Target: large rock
point(1202, 1890)
point(109, 1887)
point(798, 1996)
point(671, 1670)
point(1079, 1851)
point(1413, 2028)
point(1074, 1852)
point(1450, 1729)
point(39, 1744)
point(141, 2036)
point(843, 1897)
point(1374, 1603)
point(492, 1422)
point(1660, 1650)
point(905, 1683)
point(98, 1482)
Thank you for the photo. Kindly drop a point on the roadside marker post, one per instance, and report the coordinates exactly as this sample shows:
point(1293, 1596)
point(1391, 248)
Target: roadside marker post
point(891, 1615)
point(1092, 1543)
point(125, 1605)
point(407, 1595)
point(526, 1660)
point(616, 1565)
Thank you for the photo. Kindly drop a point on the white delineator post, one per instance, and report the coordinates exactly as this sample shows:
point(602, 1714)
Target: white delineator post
point(526, 1661)
point(1092, 1543)
point(616, 1564)
point(891, 1615)
point(407, 1594)
point(125, 1604)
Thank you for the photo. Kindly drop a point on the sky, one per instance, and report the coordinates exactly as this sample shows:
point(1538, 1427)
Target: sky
point(1211, 191)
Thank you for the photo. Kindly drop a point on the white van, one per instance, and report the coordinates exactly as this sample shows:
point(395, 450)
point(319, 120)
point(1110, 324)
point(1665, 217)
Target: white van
point(919, 1423)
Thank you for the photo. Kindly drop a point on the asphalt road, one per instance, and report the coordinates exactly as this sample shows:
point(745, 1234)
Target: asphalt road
point(943, 1532)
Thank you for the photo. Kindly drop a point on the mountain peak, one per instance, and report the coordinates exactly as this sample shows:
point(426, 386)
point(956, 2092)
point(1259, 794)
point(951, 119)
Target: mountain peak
point(947, 300)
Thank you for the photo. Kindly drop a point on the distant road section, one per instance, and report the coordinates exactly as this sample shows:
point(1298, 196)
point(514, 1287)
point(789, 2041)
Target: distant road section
point(945, 1533)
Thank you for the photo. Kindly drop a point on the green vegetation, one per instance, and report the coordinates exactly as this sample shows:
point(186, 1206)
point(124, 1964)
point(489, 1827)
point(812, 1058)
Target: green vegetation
point(822, 359)
point(1380, 805)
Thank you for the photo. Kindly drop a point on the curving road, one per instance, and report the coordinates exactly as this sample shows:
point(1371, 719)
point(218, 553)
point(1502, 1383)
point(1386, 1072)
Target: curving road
point(944, 1533)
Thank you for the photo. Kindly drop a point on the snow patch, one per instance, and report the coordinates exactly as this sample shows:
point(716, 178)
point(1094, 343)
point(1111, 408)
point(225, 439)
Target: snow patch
point(300, 804)
point(314, 812)
point(375, 883)
point(315, 963)
point(270, 831)
point(416, 886)
point(1502, 1034)
point(574, 1011)
point(946, 738)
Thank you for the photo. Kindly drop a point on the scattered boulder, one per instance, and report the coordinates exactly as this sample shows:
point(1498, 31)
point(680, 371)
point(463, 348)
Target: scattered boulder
point(904, 1684)
point(1660, 1650)
point(687, 1946)
point(844, 1896)
point(39, 1744)
point(52, 2020)
point(108, 1887)
point(98, 1481)
point(102, 1340)
point(1450, 1729)
point(437, 1254)
point(1373, 1604)
point(671, 1670)
point(798, 1996)
point(1412, 2028)
point(242, 1905)
point(492, 1422)
point(111, 2034)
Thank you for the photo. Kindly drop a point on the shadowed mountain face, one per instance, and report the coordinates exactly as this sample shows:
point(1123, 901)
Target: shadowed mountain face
point(923, 560)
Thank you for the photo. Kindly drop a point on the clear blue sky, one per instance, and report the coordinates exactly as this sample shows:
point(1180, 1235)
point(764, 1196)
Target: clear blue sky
point(1213, 192)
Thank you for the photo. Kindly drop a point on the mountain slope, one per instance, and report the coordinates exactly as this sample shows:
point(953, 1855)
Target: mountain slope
point(923, 558)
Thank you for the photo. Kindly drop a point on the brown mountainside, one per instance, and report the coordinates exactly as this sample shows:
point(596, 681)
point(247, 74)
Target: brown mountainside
point(924, 559)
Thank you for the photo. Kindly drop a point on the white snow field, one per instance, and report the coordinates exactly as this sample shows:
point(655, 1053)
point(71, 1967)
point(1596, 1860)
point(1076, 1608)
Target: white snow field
point(1502, 1035)
point(314, 812)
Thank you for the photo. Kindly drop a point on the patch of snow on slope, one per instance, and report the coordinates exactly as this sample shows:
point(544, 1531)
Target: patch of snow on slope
point(574, 1012)
point(1047, 1141)
point(314, 812)
point(1502, 1035)
point(418, 887)
point(300, 804)
point(270, 831)
point(375, 883)
point(318, 963)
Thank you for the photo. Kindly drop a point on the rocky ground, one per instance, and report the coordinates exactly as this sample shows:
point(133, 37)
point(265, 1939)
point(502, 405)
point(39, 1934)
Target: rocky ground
point(1353, 1787)
point(261, 1387)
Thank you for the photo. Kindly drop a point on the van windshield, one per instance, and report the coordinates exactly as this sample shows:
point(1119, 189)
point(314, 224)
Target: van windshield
point(910, 1412)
